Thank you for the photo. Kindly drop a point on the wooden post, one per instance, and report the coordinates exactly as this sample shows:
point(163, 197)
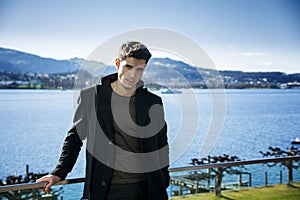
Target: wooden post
point(280, 176)
point(250, 180)
point(27, 170)
point(290, 173)
point(27, 173)
point(180, 189)
point(208, 180)
point(197, 185)
point(240, 179)
point(218, 182)
point(266, 178)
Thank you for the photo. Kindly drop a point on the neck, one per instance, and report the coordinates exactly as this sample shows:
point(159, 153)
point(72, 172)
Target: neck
point(121, 90)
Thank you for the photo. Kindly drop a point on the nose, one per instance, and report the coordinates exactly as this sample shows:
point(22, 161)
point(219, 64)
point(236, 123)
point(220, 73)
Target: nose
point(132, 73)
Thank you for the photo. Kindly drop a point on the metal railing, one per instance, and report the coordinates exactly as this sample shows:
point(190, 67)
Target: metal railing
point(26, 186)
point(236, 163)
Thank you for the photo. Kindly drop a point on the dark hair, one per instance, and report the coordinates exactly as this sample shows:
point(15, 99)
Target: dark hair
point(134, 49)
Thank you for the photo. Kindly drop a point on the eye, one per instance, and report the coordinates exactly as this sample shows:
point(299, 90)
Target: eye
point(140, 69)
point(128, 66)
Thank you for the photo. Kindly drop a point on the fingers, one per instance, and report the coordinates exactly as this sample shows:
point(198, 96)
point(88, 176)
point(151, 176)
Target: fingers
point(48, 188)
point(50, 179)
point(47, 179)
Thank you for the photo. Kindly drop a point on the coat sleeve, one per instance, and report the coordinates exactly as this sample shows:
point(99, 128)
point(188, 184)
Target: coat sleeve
point(73, 142)
point(163, 142)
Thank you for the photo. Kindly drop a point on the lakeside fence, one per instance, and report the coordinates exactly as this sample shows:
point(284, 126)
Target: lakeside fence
point(187, 180)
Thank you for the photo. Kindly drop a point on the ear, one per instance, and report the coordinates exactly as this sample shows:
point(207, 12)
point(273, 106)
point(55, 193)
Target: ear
point(117, 63)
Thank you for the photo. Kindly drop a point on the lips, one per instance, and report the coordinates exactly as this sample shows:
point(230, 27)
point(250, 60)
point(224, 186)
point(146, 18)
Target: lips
point(131, 82)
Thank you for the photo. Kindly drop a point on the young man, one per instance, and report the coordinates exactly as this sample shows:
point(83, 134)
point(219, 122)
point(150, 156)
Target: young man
point(125, 132)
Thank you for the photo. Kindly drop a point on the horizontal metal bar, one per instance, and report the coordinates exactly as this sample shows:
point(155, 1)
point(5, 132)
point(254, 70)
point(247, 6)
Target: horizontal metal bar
point(26, 186)
point(22, 186)
point(236, 163)
point(71, 181)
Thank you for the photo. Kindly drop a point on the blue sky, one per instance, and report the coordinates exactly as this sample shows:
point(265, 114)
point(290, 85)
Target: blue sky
point(247, 35)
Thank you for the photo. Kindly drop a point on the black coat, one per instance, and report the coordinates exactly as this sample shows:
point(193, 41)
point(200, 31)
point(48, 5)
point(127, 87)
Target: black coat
point(96, 101)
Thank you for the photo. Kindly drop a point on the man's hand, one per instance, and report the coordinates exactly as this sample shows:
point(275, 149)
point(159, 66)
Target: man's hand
point(51, 179)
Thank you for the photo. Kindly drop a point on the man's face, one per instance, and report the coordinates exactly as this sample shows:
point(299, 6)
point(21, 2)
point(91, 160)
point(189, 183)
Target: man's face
point(130, 71)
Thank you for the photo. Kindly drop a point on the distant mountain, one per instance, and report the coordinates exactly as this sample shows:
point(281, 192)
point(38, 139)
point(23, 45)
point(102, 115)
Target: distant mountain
point(159, 71)
point(180, 74)
point(20, 62)
point(92, 67)
point(272, 77)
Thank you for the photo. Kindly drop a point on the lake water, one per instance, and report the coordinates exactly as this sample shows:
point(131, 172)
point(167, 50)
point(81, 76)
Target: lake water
point(34, 123)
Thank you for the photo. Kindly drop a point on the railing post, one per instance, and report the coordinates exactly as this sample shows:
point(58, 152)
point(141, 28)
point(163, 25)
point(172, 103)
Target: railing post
point(280, 177)
point(290, 173)
point(208, 180)
point(197, 185)
point(180, 188)
point(218, 182)
point(250, 180)
point(240, 179)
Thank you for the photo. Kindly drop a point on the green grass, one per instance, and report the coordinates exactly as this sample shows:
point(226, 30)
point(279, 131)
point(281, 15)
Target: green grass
point(275, 192)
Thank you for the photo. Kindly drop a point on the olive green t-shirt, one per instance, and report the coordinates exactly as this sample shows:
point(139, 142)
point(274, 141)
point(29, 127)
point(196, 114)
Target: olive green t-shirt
point(125, 129)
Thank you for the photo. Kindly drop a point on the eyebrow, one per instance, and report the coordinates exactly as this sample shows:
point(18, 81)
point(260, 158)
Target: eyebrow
point(127, 65)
